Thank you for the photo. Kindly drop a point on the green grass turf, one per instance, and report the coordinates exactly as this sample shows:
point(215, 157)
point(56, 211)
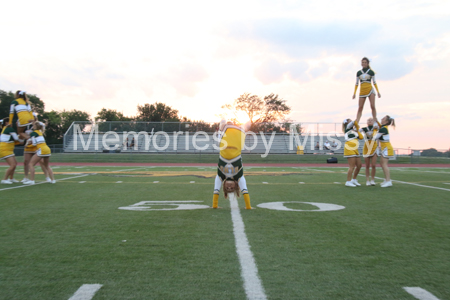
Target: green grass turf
point(54, 238)
point(212, 158)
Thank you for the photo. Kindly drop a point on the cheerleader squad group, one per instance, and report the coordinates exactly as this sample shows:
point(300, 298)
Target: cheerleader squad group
point(23, 128)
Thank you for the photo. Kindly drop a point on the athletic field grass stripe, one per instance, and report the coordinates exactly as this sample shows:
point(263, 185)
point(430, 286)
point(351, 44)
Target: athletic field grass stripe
point(420, 293)
point(24, 185)
point(86, 292)
point(249, 272)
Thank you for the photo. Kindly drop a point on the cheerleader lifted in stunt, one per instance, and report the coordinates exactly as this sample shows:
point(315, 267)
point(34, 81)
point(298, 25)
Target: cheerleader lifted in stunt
point(366, 76)
point(230, 172)
point(20, 115)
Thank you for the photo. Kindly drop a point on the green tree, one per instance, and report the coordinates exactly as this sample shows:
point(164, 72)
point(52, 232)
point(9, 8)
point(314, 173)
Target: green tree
point(57, 123)
point(267, 110)
point(53, 130)
point(6, 98)
point(111, 115)
point(5, 103)
point(157, 112)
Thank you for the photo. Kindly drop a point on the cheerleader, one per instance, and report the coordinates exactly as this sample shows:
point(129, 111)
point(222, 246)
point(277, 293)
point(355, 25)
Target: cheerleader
point(43, 153)
point(20, 114)
point(385, 151)
point(352, 134)
point(370, 150)
point(8, 139)
point(366, 76)
point(29, 151)
point(230, 173)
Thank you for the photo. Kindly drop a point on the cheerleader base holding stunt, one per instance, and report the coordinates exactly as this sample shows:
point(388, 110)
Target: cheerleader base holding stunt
point(386, 150)
point(43, 153)
point(230, 172)
point(370, 150)
point(352, 135)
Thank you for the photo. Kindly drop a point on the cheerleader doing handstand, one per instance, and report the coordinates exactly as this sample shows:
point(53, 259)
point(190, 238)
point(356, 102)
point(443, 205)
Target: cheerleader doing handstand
point(230, 172)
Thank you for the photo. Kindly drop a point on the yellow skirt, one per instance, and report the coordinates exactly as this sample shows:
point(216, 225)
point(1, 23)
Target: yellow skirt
point(386, 149)
point(351, 148)
point(43, 151)
point(366, 90)
point(30, 149)
point(24, 119)
point(369, 145)
point(6, 150)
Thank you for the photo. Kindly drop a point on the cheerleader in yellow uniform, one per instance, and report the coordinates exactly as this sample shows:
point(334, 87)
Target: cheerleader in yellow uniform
point(230, 172)
point(20, 114)
point(351, 152)
point(29, 151)
point(386, 150)
point(8, 139)
point(366, 76)
point(370, 150)
point(43, 153)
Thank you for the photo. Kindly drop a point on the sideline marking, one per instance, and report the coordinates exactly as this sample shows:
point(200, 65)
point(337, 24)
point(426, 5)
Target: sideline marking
point(249, 272)
point(21, 186)
point(420, 293)
point(265, 182)
point(191, 181)
point(119, 181)
point(86, 292)
point(416, 184)
point(155, 181)
point(82, 181)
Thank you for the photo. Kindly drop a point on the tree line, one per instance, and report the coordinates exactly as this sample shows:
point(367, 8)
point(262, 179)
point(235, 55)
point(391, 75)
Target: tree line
point(270, 110)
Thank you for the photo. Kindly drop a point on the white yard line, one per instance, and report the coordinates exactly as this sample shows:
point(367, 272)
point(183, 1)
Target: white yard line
point(416, 184)
point(86, 292)
point(249, 272)
point(420, 293)
point(24, 185)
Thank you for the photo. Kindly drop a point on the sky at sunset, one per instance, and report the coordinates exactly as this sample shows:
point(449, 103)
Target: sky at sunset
point(199, 55)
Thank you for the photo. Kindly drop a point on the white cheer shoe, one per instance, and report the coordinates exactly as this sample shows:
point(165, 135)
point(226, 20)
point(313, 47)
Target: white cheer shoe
point(386, 184)
point(350, 184)
point(355, 182)
point(7, 181)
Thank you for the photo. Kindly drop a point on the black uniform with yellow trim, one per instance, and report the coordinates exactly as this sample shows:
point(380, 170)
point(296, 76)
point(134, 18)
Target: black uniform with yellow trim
point(230, 162)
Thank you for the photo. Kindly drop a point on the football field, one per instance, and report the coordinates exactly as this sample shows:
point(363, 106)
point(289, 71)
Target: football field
point(117, 232)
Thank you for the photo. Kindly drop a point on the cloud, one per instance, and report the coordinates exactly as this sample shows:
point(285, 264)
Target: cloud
point(184, 78)
point(391, 44)
point(272, 70)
